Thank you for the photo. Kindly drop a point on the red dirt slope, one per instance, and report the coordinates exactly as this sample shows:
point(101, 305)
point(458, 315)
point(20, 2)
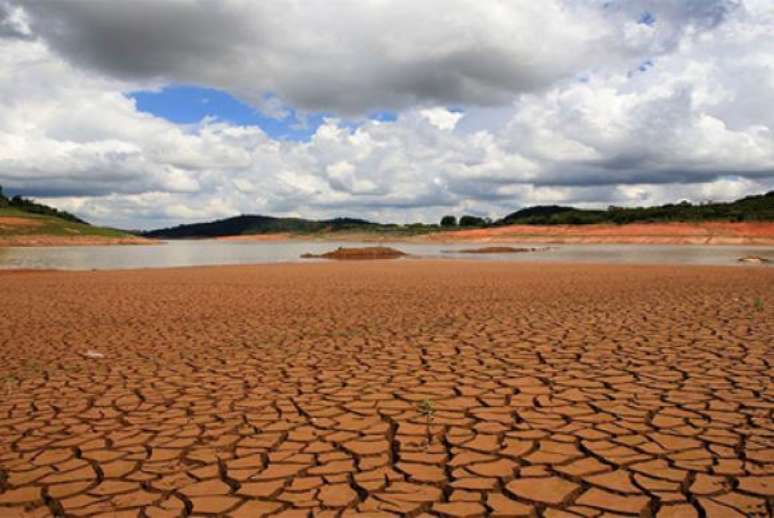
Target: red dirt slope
point(710, 233)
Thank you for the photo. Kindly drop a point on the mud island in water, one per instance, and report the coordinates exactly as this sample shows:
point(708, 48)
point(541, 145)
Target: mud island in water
point(353, 254)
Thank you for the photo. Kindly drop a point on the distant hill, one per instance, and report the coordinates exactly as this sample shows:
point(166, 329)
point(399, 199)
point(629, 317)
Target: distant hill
point(751, 208)
point(250, 225)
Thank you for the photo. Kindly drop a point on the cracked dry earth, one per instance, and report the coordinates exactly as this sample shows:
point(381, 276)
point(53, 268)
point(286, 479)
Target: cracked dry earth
point(297, 390)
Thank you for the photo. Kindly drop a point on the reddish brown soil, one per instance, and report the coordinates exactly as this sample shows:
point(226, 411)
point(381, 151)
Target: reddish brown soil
point(711, 233)
point(46, 240)
point(22, 271)
point(296, 390)
point(10, 221)
point(708, 233)
point(354, 254)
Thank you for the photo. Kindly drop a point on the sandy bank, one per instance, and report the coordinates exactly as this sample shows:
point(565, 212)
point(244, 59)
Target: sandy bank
point(709, 233)
point(45, 240)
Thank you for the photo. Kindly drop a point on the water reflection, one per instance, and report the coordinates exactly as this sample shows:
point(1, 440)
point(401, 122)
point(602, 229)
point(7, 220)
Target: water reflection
point(200, 253)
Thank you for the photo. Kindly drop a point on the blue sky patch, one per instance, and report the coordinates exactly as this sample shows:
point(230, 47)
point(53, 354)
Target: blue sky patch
point(647, 18)
point(185, 104)
point(383, 116)
point(641, 69)
point(190, 104)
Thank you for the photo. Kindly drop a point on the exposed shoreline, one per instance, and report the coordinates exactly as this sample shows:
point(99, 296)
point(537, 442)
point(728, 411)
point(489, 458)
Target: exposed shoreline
point(708, 233)
point(464, 262)
point(33, 230)
point(26, 241)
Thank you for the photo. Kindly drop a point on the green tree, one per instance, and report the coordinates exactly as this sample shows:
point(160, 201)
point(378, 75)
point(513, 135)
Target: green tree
point(449, 221)
point(472, 221)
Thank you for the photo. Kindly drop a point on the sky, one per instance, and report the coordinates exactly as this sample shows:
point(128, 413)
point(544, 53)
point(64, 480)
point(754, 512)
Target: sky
point(151, 113)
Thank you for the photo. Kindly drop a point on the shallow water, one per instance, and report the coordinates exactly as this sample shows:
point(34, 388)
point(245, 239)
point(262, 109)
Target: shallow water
point(201, 253)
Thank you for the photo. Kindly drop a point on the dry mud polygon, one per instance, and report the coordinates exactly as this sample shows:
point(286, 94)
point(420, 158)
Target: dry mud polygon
point(295, 390)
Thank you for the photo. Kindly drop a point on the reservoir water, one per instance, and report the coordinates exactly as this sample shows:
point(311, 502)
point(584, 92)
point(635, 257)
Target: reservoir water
point(202, 253)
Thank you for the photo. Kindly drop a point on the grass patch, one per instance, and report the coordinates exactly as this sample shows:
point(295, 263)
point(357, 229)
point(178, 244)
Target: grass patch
point(39, 225)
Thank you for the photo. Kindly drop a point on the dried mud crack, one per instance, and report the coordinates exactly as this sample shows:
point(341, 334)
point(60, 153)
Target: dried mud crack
point(388, 389)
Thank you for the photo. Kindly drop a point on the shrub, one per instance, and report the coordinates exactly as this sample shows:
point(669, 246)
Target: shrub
point(472, 221)
point(449, 221)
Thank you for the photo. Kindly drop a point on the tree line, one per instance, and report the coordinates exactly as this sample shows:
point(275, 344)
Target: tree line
point(750, 208)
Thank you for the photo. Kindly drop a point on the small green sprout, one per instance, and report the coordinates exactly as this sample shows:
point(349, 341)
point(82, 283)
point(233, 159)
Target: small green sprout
point(427, 409)
point(758, 304)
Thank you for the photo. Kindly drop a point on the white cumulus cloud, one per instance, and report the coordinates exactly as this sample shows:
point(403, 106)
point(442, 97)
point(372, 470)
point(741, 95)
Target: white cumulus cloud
point(497, 105)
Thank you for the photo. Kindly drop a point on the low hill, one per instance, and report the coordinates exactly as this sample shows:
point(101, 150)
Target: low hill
point(252, 225)
point(30, 207)
point(27, 223)
point(537, 212)
point(749, 209)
